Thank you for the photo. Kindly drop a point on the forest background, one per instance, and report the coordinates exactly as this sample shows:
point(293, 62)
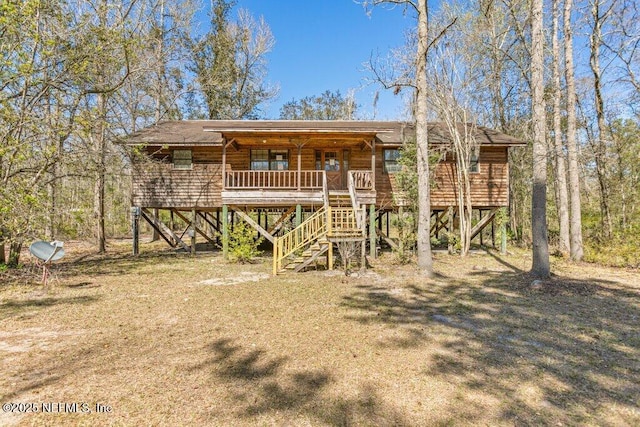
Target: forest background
point(78, 76)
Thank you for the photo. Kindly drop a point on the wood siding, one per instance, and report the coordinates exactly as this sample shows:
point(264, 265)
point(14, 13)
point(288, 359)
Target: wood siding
point(489, 186)
point(159, 185)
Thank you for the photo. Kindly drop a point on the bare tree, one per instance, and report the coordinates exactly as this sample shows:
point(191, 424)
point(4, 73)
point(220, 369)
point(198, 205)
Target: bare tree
point(599, 16)
point(418, 69)
point(562, 195)
point(575, 205)
point(453, 84)
point(540, 267)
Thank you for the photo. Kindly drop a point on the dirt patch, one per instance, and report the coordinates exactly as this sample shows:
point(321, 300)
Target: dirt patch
point(242, 277)
point(29, 339)
point(169, 339)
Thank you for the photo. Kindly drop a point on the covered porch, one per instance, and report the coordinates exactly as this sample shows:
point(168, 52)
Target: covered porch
point(286, 187)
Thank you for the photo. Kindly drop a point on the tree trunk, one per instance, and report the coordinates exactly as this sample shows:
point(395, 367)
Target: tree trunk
point(540, 267)
point(575, 217)
point(14, 254)
point(599, 145)
point(425, 259)
point(3, 260)
point(562, 195)
point(160, 73)
point(98, 200)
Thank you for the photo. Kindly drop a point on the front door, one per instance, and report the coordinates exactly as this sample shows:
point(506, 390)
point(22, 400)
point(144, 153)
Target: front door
point(333, 162)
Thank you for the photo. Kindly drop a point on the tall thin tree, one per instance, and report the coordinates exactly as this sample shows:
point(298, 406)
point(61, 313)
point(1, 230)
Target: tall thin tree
point(575, 206)
point(425, 258)
point(540, 267)
point(599, 16)
point(558, 157)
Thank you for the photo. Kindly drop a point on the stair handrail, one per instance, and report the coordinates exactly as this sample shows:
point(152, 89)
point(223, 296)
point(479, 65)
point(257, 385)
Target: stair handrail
point(354, 200)
point(325, 189)
point(309, 230)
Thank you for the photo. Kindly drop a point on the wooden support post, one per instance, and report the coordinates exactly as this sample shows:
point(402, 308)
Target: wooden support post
point(493, 232)
point(299, 167)
point(401, 226)
point(298, 215)
point(479, 221)
point(135, 228)
point(218, 225)
point(155, 236)
point(363, 254)
point(192, 231)
point(330, 256)
point(275, 256)
point(372, 230)
point(450, 230)
point(225, 231)
point(224, 163)
point(503, 238)
point(387, 221)
point(373, 164)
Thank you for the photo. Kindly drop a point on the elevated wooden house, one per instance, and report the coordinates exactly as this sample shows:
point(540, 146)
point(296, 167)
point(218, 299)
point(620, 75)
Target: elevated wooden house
point(303, 185)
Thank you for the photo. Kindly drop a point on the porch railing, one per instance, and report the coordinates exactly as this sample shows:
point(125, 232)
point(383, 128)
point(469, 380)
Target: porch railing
point(343, 222)
point(289, 180)
point(362, 179)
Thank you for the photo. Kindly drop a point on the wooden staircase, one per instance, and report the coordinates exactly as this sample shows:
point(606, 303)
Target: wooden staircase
point(340, 219)
point(313, 238)
point(289, 250)
point(340, 199)
point(309, 256)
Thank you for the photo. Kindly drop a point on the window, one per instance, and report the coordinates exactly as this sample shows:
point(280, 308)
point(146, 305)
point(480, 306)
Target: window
point(474, 165)
point(182, 159)
point(330, 160)
point(390, 160)
point(269, 160)
point(259, 160)
point(279, 160)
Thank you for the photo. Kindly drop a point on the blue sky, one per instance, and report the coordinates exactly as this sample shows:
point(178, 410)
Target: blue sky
point(323, 45)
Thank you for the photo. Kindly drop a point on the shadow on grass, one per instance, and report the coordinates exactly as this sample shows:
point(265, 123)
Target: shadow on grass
point(574, 342)
point(114, 264)
point(14, 307)
point(68, 361)
point(263, 385)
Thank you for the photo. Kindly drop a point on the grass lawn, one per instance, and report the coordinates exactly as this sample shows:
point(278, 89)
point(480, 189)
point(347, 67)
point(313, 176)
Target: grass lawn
point(169, 339)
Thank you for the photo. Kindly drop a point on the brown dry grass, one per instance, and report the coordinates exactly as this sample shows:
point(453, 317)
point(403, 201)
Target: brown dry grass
point(166, 339)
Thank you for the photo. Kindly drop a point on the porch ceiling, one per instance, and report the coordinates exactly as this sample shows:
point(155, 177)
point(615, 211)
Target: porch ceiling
point(293, 140)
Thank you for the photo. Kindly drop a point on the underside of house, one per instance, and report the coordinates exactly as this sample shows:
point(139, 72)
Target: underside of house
point(302, 185)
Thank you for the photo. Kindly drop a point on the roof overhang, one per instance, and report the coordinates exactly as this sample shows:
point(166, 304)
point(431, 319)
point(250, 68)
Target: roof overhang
point(390, 133)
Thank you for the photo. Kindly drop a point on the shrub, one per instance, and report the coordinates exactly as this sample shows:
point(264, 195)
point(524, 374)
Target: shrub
point(243, 245)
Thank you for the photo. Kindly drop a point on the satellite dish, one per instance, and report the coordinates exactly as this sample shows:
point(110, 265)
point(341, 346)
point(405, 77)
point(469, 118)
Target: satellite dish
point(47, 253)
